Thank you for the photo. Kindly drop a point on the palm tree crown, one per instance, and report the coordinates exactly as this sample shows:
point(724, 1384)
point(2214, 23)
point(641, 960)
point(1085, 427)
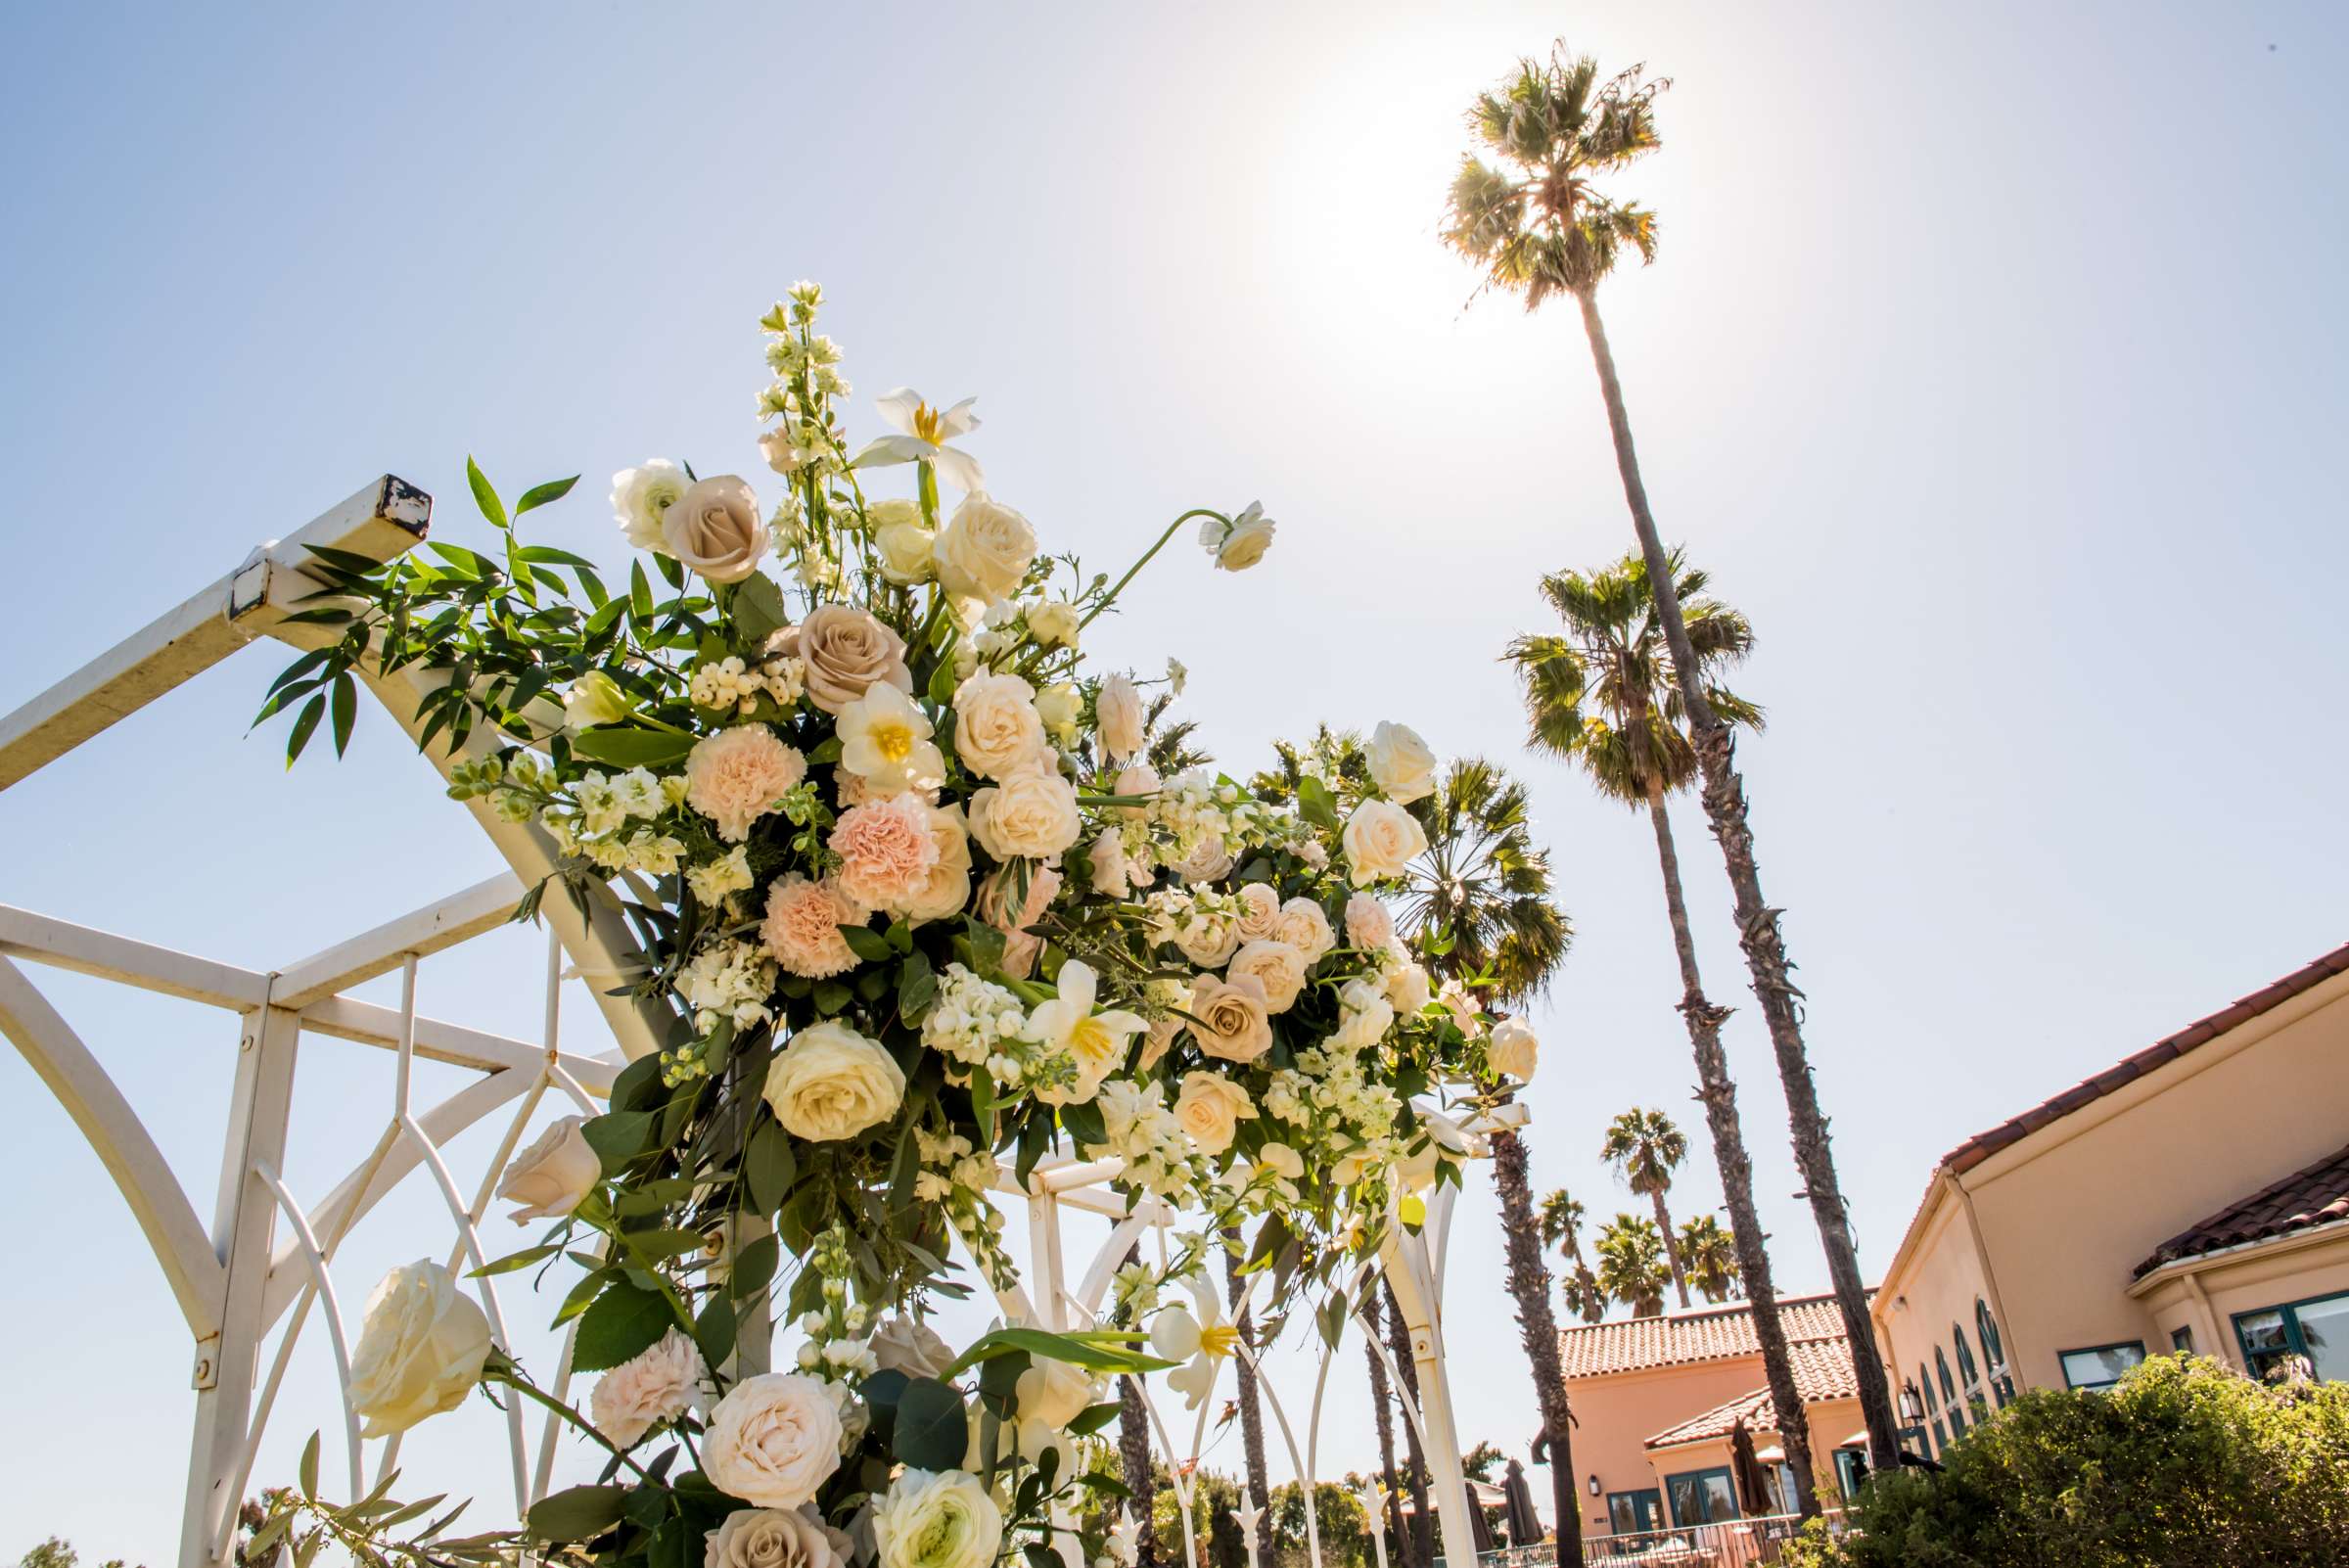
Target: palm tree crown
point(1485, 884)
point(1645, 1147)
point(1605, 694)
point(1709, 1253)
point(1562, 1222)
point(1536, 224)
point(1630, 1264)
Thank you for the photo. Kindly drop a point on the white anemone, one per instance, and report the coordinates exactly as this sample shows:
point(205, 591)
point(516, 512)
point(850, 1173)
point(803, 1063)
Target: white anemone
point(1199, 1341)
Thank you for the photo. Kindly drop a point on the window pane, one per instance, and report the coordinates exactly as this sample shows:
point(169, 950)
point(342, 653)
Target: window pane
point(1686, 1508)
point(2183, 1339)
point(1720, 1497)
point(2324, 1330)
point(2098, 1369)
point(2263, 1332)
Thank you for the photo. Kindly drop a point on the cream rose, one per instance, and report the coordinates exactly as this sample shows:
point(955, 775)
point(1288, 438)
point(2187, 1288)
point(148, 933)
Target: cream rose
point(831, 1082)
point(1275, 966)
point(1052, 624)
point(996, 727)
point(1113, 871)
point(1228, 1017)
point(1401, 762)
point(773, 1440)
point(1381, 839)
point(1513, 1048)
point(1137, 779)
point(715, 527)
point(1407, 986)
point(905, 549)
point(659, 1385)
point(984, 550)
point(905, 1344)
point(844, 650)
point(1054, 1393)
point(550, 1176)
point(1118, 710)
point(1031, 812)
point(1303, 927)
point(1369, 924)
point(949, 886)
point(776, 1537)
point(944, 1519)
point(1260, 910)
point(421, 1348)
point(1210, 1109)
point(1208, 861)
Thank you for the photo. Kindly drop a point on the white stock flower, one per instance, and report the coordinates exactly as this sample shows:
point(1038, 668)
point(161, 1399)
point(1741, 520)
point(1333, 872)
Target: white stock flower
point(657, 1385)
point(941, 1519)
point(1401, 762)
point(773, 1440)
point(1380, 840)
point(639, 495)
point(922, 434)
point(550, 1176)
point(422, 1345)
point(1240, 543)
point(831, 1082)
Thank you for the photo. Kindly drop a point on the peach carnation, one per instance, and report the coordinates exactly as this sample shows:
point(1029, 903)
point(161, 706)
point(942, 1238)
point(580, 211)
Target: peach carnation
point(887, 852)
point(803, 927)
point(736, 776)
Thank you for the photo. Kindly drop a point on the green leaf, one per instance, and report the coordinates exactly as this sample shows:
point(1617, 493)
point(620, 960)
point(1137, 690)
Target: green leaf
point(768, 1166)
point(1099, 1350)
point(623, 1322)
point(483, 495)
point(618, 1137)
point(668, 1241)
point(625, 746)
point(752, 1267)
point(866, 944)
point(917, 986)
point(714, 1330)
point(640, 592)
point(1315, 804)
point(759, 611)
point(538, 495)
point(577, 1514)
point(932, 1430)
point(304, 723)
point(1093, 1417)
point(346, 709)
point(1085, 1124)
point(309, 1468)
point(515, 1260)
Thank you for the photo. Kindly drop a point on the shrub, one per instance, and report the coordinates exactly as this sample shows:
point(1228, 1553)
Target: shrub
point(2183, 1463)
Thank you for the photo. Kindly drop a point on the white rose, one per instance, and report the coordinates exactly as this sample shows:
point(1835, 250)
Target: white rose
point(1303, 927)
point(659, 1385)
point(1031, 812)
point(944, 1519)
point(1137, 779)
point(1240, 543)
point(1060, 705)
point(1369, 924)
point(1054, 1393)
point(832, 1083)
point(1514, 1048)
point(905, 1344)
point(1407, 986)
point(1277, 965)
point(773, 1440)
point(997, 725)
point(904, 546)
point(1260, 910)
point(639, 495)
point(1401, 762)
point(715, 527)
point(1364, 1015)
point(550, 1176)
point(1052, 624)
point(1113, 873)
point(776, 1537)
point(1118, 710)
point(422, 1345)
point(984, 550)
point(1208, 861)
point(1381, 839)
point(1211, 1108)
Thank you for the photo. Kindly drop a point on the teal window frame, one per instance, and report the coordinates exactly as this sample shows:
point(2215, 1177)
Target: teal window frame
point(2295, 1341)
point(1941, 1444)
point(1977, 1401)
point(1647, 1501)
point(2136, 1345)
point(1847, 1472)
point(2181, 1339)
point(1697, 1478)
point(1948, 1395)
point(1994, 1350)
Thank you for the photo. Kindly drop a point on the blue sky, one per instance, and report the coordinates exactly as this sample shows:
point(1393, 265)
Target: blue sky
point(1991, 365)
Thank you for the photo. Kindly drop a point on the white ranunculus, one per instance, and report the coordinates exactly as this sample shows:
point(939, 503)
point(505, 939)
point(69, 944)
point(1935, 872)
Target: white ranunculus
point(906, 548)
point(984, 550)
point(773, 1440)
point(1514, 1048)
point(1401, 762)
point(1380, 840)
point(1055, 1393)
point(1031, 812)
point(1119, 710)
point(1240, 543)
point(659, 1385)
point(996, 726)
point(905, 1344)
point(942, 1519)
point(550, 1176)
point(831, 1082)
point(1053, 624)
point(421, 1348)
point(776, 1537)
point(640, 495)
point(715, 527)
point(1369, 925)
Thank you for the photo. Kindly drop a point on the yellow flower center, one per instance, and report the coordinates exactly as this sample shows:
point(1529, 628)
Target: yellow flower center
point(1219, 1340)
point(1091, 1041)
point(925, 423)
point(892, 741)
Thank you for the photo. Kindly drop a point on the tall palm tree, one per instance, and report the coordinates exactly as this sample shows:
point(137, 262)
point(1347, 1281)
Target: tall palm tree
point(1709, 1253)
point(1252, 1416)
point(1540, 227)
point(1630, 1264)
point(1382, 1404)
point(1644, 1147)
point(1602, 695)
point(1562, 1221)
point(1486, 886)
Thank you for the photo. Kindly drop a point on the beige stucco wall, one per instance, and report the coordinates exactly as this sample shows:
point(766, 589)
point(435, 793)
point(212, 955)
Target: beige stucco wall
point(1614, 1418)
point(2204, 1294)
point(1831, 1421)
point(2064, 1215)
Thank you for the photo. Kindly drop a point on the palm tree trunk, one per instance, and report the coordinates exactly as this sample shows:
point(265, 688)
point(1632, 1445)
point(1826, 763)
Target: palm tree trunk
point(1133, 1456)
point(1719, 1096)
point(1423, 1516)
point(1672, 1246)
point(1758, 926)
point(1252, 1416)
point(1537, 1327)
point(1382, 1401)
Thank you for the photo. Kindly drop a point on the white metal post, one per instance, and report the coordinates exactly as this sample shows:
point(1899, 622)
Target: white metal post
point(242, 1229)
point(1412, 1273)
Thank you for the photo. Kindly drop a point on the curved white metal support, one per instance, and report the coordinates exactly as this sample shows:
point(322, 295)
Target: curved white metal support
point(119, 1139)
point(323, 1279)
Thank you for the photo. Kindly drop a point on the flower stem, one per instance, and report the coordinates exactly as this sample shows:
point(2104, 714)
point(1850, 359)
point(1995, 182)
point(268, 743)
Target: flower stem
point(511, 1375)
point(1119, 587)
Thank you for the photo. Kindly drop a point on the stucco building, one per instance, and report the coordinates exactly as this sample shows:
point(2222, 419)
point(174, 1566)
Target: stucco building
point(2193, 1196)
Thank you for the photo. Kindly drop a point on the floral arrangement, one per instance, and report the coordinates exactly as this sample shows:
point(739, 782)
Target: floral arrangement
point(918, 894)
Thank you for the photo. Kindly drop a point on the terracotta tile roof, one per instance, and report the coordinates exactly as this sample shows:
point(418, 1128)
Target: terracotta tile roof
point(2315, 1196)
point(1701, 1334)
point(1823, 1370)
point(1982, 1145)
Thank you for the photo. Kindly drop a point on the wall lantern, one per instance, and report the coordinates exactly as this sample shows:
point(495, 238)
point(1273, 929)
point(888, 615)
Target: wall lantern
point(1594, 1482)
point(1912, 1408)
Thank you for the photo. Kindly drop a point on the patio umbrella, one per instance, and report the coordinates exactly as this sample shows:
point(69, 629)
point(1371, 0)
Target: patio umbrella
point(1479, 1527)
point(1525, 1525)
point(1745, 1473)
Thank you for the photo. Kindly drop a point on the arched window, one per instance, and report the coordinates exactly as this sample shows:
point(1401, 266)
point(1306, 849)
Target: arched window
point(1924, 1380)
point(1948, 1395)
point(1971, 1375)
point(2002, 1381)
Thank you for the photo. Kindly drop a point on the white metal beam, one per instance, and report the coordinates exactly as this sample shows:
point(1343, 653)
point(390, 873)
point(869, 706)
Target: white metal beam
point(347, 1018)
point(460, 917)
point(388, 516)
point(62, 944)
point(120, 1140)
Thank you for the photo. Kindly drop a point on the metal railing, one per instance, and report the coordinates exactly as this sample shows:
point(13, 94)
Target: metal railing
point(1730, 1544)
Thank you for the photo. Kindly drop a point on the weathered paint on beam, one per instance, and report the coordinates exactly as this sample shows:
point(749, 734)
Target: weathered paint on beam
point(460, 917)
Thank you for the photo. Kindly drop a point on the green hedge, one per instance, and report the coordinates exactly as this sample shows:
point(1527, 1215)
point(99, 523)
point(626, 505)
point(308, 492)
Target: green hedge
point(2183, 1463)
